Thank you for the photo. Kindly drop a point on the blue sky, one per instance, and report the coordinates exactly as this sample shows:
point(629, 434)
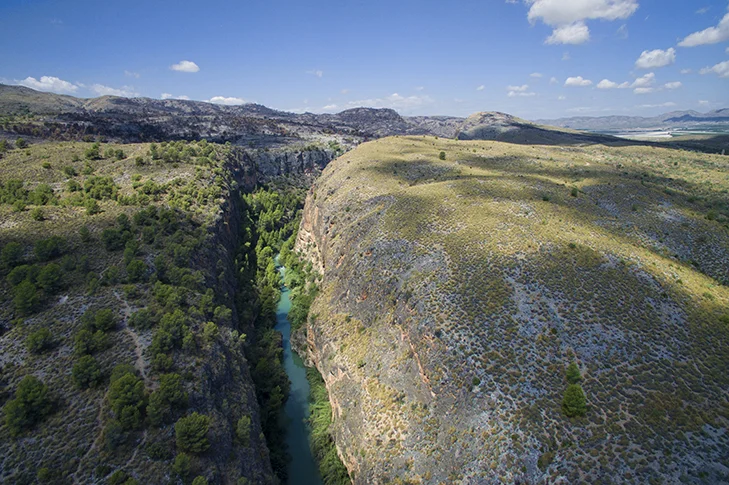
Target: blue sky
point(531, 58)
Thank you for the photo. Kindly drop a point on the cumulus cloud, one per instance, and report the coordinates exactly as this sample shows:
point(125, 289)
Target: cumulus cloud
point(643, 90)
point(394, 101)
point(172, 96)
point(673, 85)
point(124, 91)
point(703, 102)
point(685, 71)
point(536, 75)
point(226, 101)
point(644, 81)
point(712, 35)
point(608, 84)
point(521, 88)
point(48, 83)
point(481, 88)
point(553, 81)
point(562, 98)
point(577, 81)
point(135, 75)
point(316, 72)
point(656, 58)
point(330, 107)
point(519, 91)
point(566, 56)
point(576, 33)
point(185, 66)
point(567, 17)
point(721, 69)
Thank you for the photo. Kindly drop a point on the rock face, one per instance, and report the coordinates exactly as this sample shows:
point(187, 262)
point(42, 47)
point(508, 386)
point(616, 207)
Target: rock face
point(456, 292)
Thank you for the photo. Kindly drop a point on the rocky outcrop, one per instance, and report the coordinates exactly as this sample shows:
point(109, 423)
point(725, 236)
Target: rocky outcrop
point(289, 162)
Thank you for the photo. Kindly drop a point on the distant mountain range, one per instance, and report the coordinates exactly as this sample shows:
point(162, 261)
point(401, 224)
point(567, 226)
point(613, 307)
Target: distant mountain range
point(672, 120)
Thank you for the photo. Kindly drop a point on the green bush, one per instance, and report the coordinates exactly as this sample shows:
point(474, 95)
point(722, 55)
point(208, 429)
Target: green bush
point(200, 480)
point(243, 430)
point(127, 399)
point(47, 249)
point(49, 278)
point(88, 342)
point(573, 373)
point(86, 372)
point(38, 341)
point(32, 403)
point(169, 396)
point(574, 402)
point(143, 319)
point(181, 465)
point(26, 298)
point(11, 254)
point(37, 214)
point(136, 271)
point(191, 433)
point(92, 207)
point(442, 155)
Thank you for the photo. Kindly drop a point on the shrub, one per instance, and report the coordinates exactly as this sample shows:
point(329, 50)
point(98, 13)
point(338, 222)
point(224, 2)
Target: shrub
point(115, 239)
point(200, 480)
point(38, 341)
point(85, 234)
point(181, 466)
point(143, 319)
point(49, 278)
point(86, 372)
point(574, 402)
point(136, 271)
point(50, 248)
point(442, 155)
point(32, 403)
point(574, 192)
point(88, 342)
point(21, 143)
point(127, 399)
point(37, 214)
point(166, 399)
point(191, 433)
point(69, 171)
point(93, 152)
point(92, 207)
point(11, 254)
point(243, 430)
point(573, 374)
point(26, 298)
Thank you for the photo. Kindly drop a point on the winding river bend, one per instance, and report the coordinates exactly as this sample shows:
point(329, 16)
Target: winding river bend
point(303, 469)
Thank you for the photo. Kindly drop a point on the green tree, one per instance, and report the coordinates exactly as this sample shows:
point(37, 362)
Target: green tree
point(93, 152)
point(85, 234)
point(574, 402)
point(200, 480)
point(21, 143)
point(37, 214)
point(32, 403)
point(191, 433)
point(38, 341)
point(136, 271)
point(26, 298)
point(169, 396)
point(442, 155)
point(86, 372)
point(49, 278)
point(47, 249)
point(126, 394)
point(243, 430)
point(573, 373)
point(12, 254)
point(92, 207)
point(181, 465)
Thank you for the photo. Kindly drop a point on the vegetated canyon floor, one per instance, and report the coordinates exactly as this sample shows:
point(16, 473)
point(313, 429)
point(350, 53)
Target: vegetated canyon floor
point(461, 278)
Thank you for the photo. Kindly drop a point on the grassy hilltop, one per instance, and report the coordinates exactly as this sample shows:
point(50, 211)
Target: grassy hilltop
point(463, 278)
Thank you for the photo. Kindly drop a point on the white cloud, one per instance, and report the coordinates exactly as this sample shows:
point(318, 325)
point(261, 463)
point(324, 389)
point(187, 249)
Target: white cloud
point(481, 88)
point(622, 32)
point(566, 56)
point(567, 17)
point(536, 75)
point(316, 72)
point(514, 94)
point(669, 104)
point(394, 101)
point(702, 11)
point(420, 88)
point(712, 35)
point(644, 81)
point(172, 96)
point(48, 83)
point(703, 102)
point(124, 91)
point(673, 85)
point(608, 84)
point(727, 50)
point(643, 90)
point(226, 101)
point(656, 58)
point(562, 98)
point(521, 88)
point(577, 81)
point(135, 75)
point(685, 71)
point(185, 66)
point(721, 69)
point(576, 33)
point(330, 107)
point(553, 81)
point(344, 91)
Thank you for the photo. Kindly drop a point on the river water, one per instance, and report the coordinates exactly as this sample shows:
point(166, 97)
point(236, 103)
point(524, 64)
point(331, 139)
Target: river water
point(303, 469)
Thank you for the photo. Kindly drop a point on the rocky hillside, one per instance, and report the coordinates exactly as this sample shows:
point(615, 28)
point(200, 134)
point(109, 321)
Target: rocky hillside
point(496, 312)
point(674, 119)
point(123, 357)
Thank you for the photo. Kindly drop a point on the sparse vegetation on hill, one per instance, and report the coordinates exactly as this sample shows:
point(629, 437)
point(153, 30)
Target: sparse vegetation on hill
point(456, 292)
